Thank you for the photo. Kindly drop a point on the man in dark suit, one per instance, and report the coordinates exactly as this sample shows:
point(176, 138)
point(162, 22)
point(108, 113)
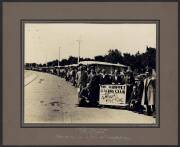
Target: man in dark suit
point(84, 97)
point(105, 78)
point(94, 88)
point(135, 101)
point(116, 78)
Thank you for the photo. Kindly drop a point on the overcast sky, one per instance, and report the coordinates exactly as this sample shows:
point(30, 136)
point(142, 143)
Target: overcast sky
point(43, 40)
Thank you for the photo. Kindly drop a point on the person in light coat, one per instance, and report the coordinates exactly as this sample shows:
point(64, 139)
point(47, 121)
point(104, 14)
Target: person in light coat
point(82, 78)
point(148, 96)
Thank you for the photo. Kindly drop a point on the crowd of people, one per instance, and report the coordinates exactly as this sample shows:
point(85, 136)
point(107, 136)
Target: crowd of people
point(140, 95)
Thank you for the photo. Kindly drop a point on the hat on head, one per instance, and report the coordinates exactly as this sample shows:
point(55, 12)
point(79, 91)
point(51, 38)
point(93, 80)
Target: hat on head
point(129, 70)
point(149, 70)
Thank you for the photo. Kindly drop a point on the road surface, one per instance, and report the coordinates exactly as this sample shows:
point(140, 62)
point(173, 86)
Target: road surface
point(51, 99)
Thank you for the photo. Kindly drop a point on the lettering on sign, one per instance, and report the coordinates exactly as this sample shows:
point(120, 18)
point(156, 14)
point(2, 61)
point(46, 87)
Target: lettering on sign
point(113, 95)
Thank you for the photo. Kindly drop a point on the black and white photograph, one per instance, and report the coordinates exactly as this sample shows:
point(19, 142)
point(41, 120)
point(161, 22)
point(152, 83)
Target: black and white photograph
point(90, 73)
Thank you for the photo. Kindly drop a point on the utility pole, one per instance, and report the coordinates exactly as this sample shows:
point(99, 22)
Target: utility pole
point(79, 43)
point(59, 56)
point(46, 61)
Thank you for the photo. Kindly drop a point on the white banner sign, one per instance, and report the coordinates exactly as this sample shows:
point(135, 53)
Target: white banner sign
point(113, 95)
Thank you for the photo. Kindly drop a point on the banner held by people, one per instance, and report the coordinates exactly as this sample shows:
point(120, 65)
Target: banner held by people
point(113, 95)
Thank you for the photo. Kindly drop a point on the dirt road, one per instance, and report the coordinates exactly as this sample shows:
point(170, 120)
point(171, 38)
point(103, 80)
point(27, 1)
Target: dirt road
point(51, 99)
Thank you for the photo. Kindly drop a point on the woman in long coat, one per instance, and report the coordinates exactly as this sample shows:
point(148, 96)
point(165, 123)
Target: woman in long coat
point(149, 93)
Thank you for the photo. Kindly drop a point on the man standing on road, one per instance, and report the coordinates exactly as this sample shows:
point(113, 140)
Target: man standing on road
point(94, 88)
point(129, 81)
point(73, 76)
point(82, 78)
point(91, 75)
point(148, 97)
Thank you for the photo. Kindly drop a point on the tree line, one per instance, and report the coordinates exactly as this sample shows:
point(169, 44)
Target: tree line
point(138, 61)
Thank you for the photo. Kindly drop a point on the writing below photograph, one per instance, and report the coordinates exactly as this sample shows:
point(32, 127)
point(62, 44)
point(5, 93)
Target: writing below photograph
point(90, 74)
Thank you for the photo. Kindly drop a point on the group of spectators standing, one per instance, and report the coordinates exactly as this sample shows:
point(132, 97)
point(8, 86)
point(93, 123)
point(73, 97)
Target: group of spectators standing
point(140, 95)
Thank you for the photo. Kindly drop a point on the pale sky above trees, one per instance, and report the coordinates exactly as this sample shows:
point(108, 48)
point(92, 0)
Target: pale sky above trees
point(43, 40)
